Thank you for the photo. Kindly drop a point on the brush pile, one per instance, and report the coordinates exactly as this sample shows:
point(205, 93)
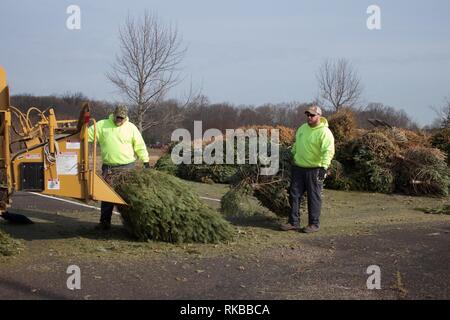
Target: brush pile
point(441, 140)
point(343, 125)
point(337, 178)
point(203, 172)
point(219, 173)
point(384, 159)
point(272, 191)
point(236, 202)
point(387, 159)
point(424, 171)
point(286, 135)
point(368, 161)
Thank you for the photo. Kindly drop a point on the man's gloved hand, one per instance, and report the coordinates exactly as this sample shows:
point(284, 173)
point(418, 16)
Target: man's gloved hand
point(322, 174)
point(146, 165)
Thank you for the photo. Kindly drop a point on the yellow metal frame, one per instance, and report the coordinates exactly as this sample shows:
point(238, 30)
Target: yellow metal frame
point(65, 158)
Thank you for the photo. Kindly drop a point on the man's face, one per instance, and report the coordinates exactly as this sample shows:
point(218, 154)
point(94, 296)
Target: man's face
point(313, 119)
point(118, 120)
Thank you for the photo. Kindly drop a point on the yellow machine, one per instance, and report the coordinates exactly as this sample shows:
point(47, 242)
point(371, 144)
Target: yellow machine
point(49, 156)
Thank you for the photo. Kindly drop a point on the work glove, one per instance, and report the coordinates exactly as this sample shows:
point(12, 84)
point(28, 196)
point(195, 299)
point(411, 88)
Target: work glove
point(146, 165)
point(322, 174)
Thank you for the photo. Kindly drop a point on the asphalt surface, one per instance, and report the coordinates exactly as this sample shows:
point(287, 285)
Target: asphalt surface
point(30, 201)
point(414, 261)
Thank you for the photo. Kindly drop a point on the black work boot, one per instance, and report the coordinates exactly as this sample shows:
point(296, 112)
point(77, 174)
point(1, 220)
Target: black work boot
point(103, 226)
point(311, 228)
point(288, 227)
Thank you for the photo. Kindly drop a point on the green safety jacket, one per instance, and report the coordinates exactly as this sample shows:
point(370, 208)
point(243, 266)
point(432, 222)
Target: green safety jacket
point(119, 144)
point(314, 146)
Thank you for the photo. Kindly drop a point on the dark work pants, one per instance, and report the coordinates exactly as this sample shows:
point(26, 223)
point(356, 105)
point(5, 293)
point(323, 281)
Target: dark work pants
point(107, 207)
point(305, 180)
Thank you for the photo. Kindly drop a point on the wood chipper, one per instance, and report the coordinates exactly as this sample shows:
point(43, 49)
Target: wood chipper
point(42, 154)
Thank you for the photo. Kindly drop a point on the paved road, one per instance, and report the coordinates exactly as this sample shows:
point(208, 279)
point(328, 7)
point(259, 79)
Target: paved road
point(32, 201)
point(414, 261)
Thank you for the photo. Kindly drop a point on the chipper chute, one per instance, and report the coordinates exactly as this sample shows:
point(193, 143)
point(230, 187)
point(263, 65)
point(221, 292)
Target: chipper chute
point(39, 153)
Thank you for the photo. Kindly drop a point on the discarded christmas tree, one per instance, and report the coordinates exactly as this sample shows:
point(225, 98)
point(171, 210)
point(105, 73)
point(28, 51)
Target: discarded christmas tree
point(337, 179)
point(270, 190)
point(423, 171)
point(343, 126)
point(165, 164)
point(441, 140)
point(164, 208)
point(221, 172)
point(236, 202)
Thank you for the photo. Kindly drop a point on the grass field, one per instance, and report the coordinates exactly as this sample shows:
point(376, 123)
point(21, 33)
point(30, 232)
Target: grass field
point(343, 213)
point(356, 230)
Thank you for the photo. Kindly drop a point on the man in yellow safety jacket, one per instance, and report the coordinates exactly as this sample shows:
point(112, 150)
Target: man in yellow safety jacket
point(120, 141)
point(312, 153)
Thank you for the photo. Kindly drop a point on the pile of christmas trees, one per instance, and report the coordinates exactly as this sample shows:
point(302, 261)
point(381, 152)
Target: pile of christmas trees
point(384, 159)
point(218, 173)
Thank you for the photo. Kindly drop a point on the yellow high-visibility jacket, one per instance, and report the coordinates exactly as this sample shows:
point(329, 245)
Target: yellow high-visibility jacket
point(119, 145)
point(313, 147)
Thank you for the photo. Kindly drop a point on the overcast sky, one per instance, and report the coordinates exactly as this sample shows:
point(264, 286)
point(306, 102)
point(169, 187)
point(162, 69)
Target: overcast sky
point(242, 52)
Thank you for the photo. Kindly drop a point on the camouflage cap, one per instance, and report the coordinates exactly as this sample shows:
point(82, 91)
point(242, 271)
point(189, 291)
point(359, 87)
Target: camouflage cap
point(315, 110)
point(121, 111)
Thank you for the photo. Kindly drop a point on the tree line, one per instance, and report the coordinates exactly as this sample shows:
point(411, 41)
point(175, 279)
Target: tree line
point(221, 116)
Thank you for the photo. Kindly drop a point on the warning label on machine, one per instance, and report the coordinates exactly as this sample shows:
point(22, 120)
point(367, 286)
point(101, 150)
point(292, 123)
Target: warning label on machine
point(72, 145)
point(53, 184)
point(67, 163)
point(32, 156)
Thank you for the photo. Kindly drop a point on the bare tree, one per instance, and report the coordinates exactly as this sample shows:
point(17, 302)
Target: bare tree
point(381, 113)
point(443, 115)
point(339, 83)
point(147, 67)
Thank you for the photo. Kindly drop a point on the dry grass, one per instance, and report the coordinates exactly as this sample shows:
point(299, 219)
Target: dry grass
point(71, 234)
point(8, 245)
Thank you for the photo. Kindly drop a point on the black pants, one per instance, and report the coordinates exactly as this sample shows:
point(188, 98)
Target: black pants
point(305, 180)
point(107, 207)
